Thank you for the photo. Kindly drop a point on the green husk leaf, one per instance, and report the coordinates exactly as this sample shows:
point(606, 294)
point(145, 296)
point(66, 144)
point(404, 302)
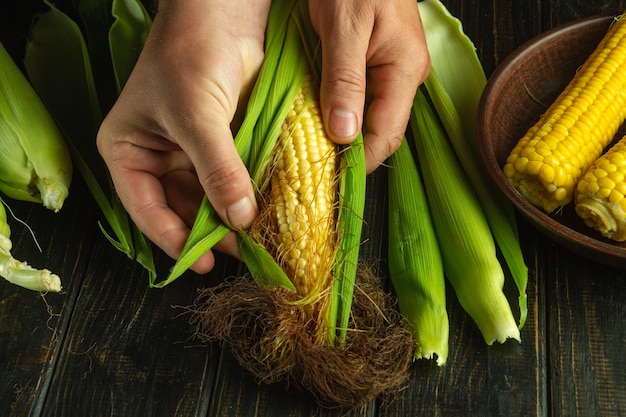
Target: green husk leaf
point(56, 50)
point(97, 19)
point(35, 164)
point(465, 240)
point(264, 269)
point(415, 265)
point(455, 85)
point(127, 36)
point(207, 230)
point(290, 72)
point(352, 187)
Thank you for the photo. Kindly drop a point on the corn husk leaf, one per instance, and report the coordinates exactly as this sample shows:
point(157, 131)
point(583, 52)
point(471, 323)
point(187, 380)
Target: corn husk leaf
point(35, 164)
point(262, 265)
point(465, 240)
point(56, 49)
point(96, 20)
point(415, 265)
point(127, 36)
point(455, 85)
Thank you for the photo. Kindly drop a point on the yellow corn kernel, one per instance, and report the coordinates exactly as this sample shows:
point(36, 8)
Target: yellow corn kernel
point(575, 129)
point(303, 194)
point(600, 193)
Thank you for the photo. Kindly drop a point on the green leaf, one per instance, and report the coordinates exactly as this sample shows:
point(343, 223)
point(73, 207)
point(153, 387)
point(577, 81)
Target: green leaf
point(96, 22)
point(264, 269)
point(207, 230)
point(350, 224)
point(127, 36)
point(455, 84)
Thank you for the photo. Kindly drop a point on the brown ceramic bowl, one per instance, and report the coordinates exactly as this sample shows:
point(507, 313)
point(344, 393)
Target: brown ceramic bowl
point(536, 73)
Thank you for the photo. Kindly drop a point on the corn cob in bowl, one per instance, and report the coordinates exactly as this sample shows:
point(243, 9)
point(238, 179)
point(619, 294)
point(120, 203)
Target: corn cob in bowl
point(600, 193)
point(516, 96)
point(549, 160)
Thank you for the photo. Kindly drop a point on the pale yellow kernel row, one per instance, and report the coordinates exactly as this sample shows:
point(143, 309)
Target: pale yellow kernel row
point(302, 195)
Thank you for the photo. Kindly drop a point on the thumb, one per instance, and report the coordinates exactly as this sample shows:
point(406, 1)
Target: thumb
point(224, 177)
point(342, 89)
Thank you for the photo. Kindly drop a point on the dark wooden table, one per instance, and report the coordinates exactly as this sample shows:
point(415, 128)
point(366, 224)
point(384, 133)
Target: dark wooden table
point(111, 346)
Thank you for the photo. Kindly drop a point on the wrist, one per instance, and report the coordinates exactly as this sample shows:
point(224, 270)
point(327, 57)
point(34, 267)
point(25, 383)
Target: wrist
point(245, 18)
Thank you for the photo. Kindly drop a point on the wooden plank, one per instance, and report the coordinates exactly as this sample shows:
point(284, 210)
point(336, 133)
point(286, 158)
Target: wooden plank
point(238, 394)
point(586, 344)
point(483, 380)
point(129, 348)
point(33, 326)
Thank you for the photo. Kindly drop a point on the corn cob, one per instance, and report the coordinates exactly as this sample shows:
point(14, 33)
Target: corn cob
point(600, 193)
point(279, 332)
point(298, 221)
point(302, 197)
point(18, 272)
point(35, 164)
point(552, 156)
point(308, 327)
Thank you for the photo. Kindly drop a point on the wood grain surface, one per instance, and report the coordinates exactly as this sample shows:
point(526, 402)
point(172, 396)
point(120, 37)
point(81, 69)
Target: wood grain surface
point(111, 346)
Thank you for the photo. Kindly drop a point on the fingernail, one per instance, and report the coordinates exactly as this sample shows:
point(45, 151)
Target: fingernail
point(241, 214)
point(342, 123)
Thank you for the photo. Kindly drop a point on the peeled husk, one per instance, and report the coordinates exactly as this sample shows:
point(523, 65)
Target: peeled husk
point(272, 335)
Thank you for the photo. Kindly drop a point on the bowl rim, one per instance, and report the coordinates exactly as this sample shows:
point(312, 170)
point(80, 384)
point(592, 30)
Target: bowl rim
point(570, 238)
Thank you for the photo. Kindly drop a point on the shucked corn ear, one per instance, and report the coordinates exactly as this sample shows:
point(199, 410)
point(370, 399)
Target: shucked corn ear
point(600, 193)
point(20, 273)
point(303, 191)
point(35, 163)
point(548, 161)
point(299, 225)
point(315, 330)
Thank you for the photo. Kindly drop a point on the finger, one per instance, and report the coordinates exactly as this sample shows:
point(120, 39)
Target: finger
point(136, 161)
point(183, 194)
point(344, 51)
point(387, 113)
point(386, 123)
point(229, 245)
point(398, 64)
point(143, 196)
point(221, 172)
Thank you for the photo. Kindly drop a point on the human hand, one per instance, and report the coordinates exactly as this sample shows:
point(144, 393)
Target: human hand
point(374, 48)
point(168, 140)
